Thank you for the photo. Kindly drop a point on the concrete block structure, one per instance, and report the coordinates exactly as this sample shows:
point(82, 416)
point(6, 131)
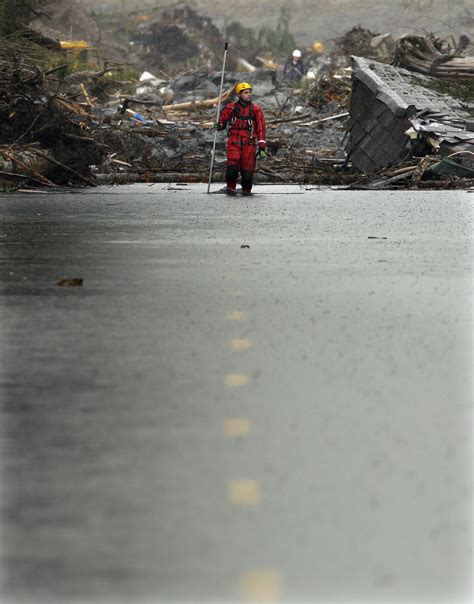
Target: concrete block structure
point(386, 102)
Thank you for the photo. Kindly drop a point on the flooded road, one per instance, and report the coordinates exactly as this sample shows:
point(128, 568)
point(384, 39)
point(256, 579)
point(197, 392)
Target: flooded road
point(263, 399)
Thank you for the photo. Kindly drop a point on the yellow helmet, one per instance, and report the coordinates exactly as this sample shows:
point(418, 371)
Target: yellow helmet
point(318, 47)
point(242, 86)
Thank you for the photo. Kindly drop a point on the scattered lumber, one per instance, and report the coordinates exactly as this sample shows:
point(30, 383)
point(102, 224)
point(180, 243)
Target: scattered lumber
point(196, 105)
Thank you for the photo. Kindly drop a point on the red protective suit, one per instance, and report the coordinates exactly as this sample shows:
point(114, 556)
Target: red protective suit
point(245, 124)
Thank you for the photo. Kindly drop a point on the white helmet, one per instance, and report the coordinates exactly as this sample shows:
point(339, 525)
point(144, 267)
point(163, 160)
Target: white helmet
point(297, 53)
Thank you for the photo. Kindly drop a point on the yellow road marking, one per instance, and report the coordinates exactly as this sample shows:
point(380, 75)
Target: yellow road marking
point(244, 492)
point(236, 315)
point(234, 380)
point(261, 586)
point(240, 344)
point(237, 426)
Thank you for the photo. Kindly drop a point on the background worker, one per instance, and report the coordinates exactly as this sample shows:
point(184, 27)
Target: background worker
point(294, 69)
point(245, 124)
point(463, 44)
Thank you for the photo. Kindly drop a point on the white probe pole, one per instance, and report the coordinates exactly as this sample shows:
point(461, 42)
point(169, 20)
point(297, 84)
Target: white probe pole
point(218, 116)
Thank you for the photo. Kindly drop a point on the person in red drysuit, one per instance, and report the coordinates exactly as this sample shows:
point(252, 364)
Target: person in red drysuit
point(245, 124)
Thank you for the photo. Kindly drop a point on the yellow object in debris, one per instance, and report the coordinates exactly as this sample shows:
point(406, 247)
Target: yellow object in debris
point(74, 44)
point(86, 95)
point(318, 47)
point(76, 47)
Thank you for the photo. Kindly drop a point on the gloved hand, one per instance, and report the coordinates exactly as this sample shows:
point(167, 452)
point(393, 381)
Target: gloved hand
point(262, 154)
point(217, 126)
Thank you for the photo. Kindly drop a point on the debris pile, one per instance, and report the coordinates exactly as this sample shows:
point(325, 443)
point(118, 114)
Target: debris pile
point(46, 137)
point(92, 124)
point(356, 41)
point(365, 43)
point(178, 38)
point(173, 141)
point(332, 88)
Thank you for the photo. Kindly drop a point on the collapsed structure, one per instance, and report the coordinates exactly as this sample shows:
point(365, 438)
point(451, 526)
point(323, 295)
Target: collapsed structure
point(395, 116)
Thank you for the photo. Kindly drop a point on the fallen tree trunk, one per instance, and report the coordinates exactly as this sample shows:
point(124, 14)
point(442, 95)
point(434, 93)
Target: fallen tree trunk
point(26, 163)
point(194, 105)
point(40, 39)
point(158, 177)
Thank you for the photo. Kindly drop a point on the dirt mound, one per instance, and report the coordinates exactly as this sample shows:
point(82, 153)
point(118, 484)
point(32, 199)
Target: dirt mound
point(178, 37)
